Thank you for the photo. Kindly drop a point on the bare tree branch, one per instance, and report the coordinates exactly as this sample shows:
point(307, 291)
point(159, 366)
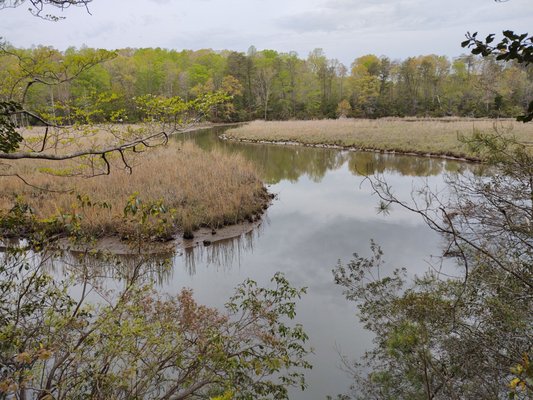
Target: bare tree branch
point(38, 7)
point(88, 152)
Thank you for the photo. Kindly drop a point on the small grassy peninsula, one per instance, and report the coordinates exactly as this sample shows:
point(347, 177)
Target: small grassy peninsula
point(437, 137)
point(171, 190)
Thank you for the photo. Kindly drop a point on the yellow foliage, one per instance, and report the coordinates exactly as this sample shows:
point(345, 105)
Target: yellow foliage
point(228, 395)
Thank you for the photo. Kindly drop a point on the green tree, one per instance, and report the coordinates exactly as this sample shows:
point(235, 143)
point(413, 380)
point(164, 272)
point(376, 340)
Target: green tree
point(365, 85)
point(240, 66)
point(136, 343)
point(434, 71)
point(385, 99)
point(264, 79)
point(325, 71)
point(409, 85)
point(512, 47)
point(444, 337)
point(462, 89)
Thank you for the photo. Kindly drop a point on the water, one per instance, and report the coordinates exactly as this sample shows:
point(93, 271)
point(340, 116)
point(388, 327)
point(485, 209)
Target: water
point(324, 211)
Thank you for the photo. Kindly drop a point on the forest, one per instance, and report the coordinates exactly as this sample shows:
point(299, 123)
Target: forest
point(268, 84)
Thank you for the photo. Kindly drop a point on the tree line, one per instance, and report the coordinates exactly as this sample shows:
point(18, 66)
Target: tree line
point(267, 84)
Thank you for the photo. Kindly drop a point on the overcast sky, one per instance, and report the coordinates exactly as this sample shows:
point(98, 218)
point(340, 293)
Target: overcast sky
point(345, 29)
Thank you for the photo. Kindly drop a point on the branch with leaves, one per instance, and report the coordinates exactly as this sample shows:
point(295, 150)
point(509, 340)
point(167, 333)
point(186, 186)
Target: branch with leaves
point(512, 47)
point(137, 343)
point(84, 131)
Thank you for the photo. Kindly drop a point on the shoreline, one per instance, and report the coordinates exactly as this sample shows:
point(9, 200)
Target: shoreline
point(203, 237)
point(206, 125)
point(114, 245)
point(352, 148)
point(442, 138)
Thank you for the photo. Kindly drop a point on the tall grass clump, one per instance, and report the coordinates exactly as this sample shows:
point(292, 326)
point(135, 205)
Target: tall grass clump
point(191, 187)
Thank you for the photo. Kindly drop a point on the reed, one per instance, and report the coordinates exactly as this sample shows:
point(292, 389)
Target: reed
point(198, 188)
point(421, 136)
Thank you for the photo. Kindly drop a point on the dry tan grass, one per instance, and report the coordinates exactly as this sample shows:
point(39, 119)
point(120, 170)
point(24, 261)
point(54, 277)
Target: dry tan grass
point(202, 189)
point(423, 136)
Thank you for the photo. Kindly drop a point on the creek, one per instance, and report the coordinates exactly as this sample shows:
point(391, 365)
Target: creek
point(324, 211)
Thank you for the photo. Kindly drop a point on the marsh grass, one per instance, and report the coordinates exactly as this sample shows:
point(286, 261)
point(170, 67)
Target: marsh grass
point(420, 136)
point(197, 188)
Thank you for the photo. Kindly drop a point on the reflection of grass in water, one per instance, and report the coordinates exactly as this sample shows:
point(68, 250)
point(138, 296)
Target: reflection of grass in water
point(101, 266)
point(223, 254)
point(435, 136)
point(203, 189)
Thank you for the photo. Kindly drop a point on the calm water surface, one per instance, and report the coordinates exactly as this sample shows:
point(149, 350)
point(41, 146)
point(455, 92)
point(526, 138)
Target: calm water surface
point(324, 212)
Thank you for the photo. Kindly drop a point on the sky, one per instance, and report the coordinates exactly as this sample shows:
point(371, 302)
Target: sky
point(344, 29)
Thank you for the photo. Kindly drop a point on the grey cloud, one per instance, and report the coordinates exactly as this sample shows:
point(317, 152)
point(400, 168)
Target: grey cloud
point(314, 21)
point(344, 15)
point(340, 15)
point(386, 15)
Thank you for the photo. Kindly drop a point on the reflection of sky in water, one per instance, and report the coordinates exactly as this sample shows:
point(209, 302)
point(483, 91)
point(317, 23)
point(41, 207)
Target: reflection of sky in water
point(319, 217)
point(324, 212)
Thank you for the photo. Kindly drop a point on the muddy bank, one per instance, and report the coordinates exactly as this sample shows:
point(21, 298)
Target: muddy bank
point(353, 148)
point(202, 237)
point(114, 245)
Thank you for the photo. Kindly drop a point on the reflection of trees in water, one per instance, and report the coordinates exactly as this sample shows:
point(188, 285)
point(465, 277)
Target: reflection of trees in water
point(222, 254)
point(376, 163)
point(278, 162)
point(291, 162)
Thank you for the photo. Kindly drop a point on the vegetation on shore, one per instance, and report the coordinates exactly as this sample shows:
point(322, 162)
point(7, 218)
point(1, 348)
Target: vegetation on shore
point(480, 307)
point(179, 187)
point(439, 137)
point(271, 85)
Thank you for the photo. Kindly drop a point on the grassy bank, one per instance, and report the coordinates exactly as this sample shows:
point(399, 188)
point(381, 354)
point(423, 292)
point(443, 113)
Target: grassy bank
point(180, 188)
point(420, 136)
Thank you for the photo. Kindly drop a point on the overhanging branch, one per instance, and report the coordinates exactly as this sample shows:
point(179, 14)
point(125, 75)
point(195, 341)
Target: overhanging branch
point(89, 152)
